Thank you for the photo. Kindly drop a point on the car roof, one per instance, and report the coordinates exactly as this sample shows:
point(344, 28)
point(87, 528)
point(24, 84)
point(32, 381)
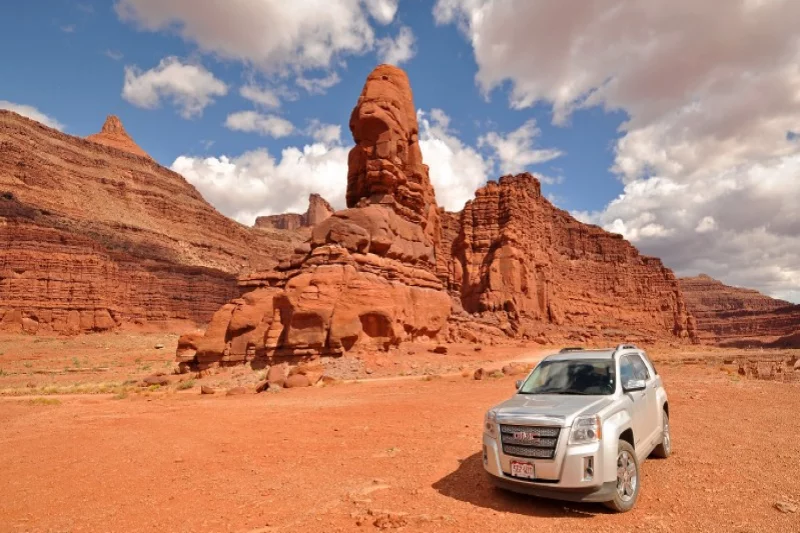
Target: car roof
point(582, 355)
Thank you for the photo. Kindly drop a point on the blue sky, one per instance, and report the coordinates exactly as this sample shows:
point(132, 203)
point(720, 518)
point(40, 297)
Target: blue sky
point(648, 120)
point(66, 72)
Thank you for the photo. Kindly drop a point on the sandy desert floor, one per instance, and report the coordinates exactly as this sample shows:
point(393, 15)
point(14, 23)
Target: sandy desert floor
point(376, 454)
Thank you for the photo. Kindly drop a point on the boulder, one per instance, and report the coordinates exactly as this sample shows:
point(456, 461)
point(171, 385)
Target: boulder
point(513, 369)
point(236, 391)
point(156, 379)
point(276, 376)
point(205, 389)
point(296, 381)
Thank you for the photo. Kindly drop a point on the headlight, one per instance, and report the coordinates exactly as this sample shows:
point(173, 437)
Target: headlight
point(585, 430)
point(490, 423)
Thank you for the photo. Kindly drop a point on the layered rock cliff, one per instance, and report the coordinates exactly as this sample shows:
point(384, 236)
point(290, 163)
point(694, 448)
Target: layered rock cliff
point(737, 316)
point(518, 256)
point(318, 211)
point(93, 234)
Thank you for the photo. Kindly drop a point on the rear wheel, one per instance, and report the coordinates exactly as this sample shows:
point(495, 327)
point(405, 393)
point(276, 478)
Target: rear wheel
point(664, 449)
point(627, 479)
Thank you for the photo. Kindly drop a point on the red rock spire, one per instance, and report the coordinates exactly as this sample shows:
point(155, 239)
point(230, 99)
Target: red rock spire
point(114, 135)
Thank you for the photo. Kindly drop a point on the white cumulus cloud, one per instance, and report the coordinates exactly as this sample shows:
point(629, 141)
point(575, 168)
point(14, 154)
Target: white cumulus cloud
point(255, 122)
point(515, 150)
point(318, 85)
point(328, 134)
point(272, 35)
point(32, 113)
point(382, 10)
point(711, 94)
point(398, 50)
point(191, 88)
point(256, 183)
point(456, 169)
point(261, 96)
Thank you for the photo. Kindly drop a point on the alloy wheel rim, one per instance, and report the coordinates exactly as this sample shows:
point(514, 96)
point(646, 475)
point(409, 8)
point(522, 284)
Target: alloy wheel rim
point(626, 476)
point(667, 439)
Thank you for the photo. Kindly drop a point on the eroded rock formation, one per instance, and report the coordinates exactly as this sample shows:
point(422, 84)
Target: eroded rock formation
point(318, 211)
point(517, 256)
point(367, 276)
point(93, 236)
point(393, 267)
point(736, 316)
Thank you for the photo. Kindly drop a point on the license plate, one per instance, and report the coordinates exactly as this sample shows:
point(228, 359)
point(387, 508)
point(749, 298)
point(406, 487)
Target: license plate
point(523, 470)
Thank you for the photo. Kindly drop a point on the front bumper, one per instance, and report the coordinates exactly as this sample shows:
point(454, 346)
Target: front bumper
point(600, 493)
point(563, 478)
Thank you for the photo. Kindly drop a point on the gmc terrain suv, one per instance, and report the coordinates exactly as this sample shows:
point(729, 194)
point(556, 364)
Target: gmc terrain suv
point(579, 427)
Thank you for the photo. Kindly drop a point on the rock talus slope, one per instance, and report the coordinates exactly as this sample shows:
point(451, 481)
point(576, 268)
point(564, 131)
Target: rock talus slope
point(393, 267)
point(733, 315)
point(94, 234)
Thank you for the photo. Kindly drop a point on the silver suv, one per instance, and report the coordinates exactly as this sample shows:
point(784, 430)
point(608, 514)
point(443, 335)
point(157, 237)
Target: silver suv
point(579, 427)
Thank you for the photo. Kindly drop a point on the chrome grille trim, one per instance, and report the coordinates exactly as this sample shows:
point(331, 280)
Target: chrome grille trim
point(539, 442)
point(522, 451)
point(536, 431)
point(533, 442)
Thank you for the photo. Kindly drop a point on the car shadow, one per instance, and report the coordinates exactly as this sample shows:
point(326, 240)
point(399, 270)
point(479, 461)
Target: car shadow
point(470, 483)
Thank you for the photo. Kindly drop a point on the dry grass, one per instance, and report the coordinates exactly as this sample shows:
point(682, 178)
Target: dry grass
point(44, 401)
point(113, 387)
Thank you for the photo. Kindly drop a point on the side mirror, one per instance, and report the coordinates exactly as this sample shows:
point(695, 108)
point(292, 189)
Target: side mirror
point(519, 384)
point(634, 385)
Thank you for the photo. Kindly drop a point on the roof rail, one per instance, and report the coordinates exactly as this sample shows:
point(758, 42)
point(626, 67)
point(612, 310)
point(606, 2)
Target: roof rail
point(626, 346)
point(571, 349)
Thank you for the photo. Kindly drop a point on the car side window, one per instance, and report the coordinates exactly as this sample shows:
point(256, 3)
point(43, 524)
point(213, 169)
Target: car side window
point(639, 368)
point(626, 370)
point(650, 363)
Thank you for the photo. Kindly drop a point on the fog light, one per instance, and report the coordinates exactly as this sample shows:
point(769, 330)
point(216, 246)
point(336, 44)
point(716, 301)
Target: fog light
point(588, 468)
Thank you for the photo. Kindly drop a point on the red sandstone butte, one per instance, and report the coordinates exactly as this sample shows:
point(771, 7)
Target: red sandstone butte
point(94, 234)
point(512, 253)
point(367, 276)
point(393, 267)
point(318, 211)
point(735, 316)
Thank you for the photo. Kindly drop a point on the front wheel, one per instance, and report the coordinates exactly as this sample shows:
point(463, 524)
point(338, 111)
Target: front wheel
point(627, 479)
point(664, 449)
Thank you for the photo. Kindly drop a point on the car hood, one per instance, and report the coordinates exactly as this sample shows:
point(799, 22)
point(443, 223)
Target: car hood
point(549, 409)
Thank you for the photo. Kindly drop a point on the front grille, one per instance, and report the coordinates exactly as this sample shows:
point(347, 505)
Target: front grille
point(538, 442)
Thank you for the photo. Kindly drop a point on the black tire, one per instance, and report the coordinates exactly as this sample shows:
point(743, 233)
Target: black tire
point(626, 496)
point(664, 450)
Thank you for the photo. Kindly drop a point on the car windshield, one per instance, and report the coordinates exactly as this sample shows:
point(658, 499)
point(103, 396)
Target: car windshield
point(582, 377)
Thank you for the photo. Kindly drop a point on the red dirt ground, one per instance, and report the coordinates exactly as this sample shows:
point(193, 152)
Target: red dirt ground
point(381, 454)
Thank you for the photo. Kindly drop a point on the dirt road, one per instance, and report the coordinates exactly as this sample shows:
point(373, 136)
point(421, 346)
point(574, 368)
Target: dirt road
point(359, 457)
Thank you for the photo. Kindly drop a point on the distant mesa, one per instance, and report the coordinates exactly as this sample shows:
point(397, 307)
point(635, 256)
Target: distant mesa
point(738, 317)
point(114, 135)
point(318, 211)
